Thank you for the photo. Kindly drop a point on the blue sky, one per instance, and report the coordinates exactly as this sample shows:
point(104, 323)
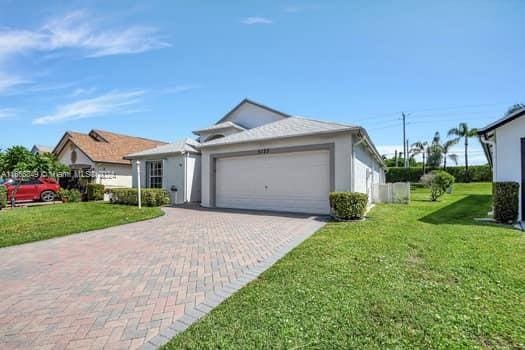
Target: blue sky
point(161, 69)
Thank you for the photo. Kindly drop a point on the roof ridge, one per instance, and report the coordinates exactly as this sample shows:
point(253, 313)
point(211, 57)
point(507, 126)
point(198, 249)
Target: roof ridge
point(125, 135)
point(325, 121)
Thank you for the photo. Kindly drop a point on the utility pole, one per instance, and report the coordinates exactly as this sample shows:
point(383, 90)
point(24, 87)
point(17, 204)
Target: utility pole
point(408, 155)
point(405, 148)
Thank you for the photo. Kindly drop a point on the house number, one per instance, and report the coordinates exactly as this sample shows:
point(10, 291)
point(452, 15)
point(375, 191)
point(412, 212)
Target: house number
point(263, 151)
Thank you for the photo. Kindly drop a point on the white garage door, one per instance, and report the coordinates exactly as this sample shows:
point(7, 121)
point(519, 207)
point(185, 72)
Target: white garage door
point(293, 182)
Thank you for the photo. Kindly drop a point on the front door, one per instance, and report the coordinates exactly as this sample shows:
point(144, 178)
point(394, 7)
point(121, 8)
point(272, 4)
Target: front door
point(523, 179)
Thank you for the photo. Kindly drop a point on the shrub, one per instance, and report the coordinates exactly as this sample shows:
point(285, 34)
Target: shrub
point(95, 192)
point(69, 195)
point(3, 197)
point(477, 173)
point(438, 182)
point(348, 205)
point(506, 201)
point(150, 197)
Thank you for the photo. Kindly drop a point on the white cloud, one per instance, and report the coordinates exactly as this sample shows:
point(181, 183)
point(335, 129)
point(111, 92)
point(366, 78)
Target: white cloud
point(113, 102)
point(177, 89)
point(9, 81)
point(256, 20)
point(83, 91)
point(7, 113)
point(75, 30)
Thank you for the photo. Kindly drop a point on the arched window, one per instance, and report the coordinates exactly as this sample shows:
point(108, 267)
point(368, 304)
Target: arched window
point(213, 137)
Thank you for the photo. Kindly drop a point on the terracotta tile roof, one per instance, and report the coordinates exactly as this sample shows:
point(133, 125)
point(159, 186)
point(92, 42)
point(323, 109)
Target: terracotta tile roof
point(107, 147)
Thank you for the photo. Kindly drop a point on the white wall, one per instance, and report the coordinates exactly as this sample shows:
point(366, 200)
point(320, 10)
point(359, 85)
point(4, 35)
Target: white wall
point(508, 152)
point(343, 154)
point(173, 175)
point(64, 156)
point(251, 116)
point(113, 175)
point(225, 132)
point(367, 171)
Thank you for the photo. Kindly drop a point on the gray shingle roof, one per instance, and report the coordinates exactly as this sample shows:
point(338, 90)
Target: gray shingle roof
point(288, 127)
point(220, 126)
point(179, 146)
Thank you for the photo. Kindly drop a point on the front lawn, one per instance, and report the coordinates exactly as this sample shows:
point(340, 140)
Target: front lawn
point(24, 225)
point(419, 276)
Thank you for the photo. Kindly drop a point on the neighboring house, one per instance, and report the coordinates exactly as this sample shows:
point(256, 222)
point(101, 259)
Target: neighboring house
point(256, 157)
point(504, 145)
point(39, 149)
point(101, 154)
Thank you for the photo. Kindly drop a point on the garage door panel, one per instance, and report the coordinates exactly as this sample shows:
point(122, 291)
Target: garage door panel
point(297, 182)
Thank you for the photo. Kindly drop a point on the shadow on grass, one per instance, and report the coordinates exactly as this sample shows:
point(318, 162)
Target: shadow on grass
point(461, 212)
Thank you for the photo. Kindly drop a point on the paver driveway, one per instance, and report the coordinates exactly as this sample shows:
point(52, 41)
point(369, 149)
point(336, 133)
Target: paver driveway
point(120, 287)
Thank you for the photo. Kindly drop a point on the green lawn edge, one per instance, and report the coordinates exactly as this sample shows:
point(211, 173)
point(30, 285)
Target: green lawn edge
point(26, 225)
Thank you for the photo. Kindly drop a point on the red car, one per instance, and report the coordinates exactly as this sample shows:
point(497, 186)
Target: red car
point(42, 189)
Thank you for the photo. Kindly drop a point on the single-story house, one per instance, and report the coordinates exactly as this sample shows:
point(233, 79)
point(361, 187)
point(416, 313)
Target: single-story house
point(100, 154)
point(40, 149)
point(256, 157)
point(504, 145)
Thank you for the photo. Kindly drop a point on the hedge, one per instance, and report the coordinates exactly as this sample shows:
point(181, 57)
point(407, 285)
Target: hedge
point(348, 205)
point(3, 197)
point(477, 173)
point(150, 197)
point(506, 201)
point(95, 192)
point(71, 196)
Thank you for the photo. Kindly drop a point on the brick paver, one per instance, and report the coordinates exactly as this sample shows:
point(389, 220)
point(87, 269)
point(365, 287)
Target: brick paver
point(136, 285)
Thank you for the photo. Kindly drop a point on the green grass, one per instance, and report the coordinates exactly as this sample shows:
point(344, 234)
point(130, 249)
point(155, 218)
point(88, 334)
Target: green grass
point(31, 224)
point(418, 276)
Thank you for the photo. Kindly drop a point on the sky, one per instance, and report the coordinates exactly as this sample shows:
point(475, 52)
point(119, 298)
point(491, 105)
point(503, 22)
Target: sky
point(160, 69)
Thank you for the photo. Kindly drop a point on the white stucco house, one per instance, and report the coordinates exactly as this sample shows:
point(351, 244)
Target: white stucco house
point(258, 158)
point(504, 145)
point(99, 155)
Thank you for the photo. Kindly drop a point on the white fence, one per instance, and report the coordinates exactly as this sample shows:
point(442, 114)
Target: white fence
point(398, 192)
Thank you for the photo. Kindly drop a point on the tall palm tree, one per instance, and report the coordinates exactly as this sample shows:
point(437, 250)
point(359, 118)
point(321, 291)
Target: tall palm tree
point(445, 148)
point(463, 131)
point(435, 152)
point(420, 148)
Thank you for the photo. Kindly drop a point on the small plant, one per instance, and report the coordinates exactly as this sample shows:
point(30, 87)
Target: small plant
point(438, 182)
point(69, 195)
point(506, 201)
point(95, 192)
point(348, 205)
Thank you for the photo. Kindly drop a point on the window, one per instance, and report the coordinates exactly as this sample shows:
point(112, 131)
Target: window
point(154, 174)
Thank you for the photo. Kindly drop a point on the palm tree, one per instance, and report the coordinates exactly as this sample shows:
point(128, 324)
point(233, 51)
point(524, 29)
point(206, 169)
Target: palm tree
point(420, 148)
point(463, 131)
point(445, 148)
point(435, 151)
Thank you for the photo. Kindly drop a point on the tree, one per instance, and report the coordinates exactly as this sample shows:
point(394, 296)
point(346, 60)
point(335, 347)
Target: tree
point(514, 108)
point(435, 152)
point(463, 131)
point(420, 148)
point(446, 147)
point(19, 158)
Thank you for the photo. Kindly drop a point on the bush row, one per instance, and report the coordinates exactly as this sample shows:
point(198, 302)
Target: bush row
point(3, 197)
point(477, 173)
point(150, 197)
point(348, 205)
point(506, 201)
point(71, 196)
point(95, 192)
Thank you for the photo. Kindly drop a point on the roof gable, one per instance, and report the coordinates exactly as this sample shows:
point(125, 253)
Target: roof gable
point(180, 146)
point(249, 114)
point(106, 147)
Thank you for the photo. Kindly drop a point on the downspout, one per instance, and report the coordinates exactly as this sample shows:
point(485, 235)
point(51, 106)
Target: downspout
point(185, 155)
point(354, 145)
